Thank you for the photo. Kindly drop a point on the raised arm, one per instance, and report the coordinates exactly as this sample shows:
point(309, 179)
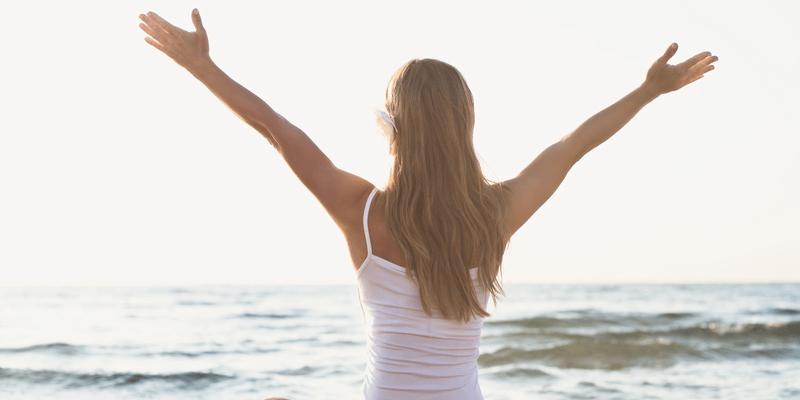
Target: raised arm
point(338, 191)
point(539, 180)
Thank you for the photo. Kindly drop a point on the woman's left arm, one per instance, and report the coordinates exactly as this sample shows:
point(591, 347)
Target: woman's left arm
point(540, 179)
point(337, 190)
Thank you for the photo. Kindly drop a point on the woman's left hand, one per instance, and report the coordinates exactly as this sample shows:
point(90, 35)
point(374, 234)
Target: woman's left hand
point(664, 78)
point(188, 49)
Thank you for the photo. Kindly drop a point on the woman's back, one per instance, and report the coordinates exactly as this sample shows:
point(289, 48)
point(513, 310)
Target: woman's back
point(411, 354)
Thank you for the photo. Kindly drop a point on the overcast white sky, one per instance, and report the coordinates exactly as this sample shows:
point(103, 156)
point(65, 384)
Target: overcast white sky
point(118, 168)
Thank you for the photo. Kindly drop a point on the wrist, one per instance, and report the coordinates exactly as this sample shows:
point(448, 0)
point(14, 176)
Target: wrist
point(648, 91)
point(203, 68)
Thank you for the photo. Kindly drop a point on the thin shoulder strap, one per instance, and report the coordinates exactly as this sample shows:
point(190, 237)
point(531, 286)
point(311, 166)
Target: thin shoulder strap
point(366, 224)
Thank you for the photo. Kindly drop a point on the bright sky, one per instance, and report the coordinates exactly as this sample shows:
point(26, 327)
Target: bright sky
point(118, 168)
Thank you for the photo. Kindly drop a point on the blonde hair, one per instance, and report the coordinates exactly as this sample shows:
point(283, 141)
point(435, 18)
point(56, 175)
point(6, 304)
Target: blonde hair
point(444, 215)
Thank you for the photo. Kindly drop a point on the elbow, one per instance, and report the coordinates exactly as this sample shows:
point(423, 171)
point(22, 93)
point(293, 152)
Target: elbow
point(579, 155)
point(571, 149)
point(268, 135)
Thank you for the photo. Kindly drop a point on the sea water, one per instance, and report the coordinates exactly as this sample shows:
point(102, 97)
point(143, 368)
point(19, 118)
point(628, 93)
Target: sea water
point(542, 342)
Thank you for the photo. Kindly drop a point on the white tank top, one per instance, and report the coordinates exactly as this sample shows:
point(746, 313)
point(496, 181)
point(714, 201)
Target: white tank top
point(411, 355)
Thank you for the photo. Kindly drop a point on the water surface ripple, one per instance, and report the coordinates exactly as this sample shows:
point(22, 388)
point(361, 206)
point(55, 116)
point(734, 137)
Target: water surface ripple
point(542, 342)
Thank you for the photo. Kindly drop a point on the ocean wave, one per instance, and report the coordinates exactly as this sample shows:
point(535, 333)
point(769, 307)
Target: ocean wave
point(591, 319)
point(595, 355)
point(674, 316)
point(65, 349)
point(555, 323)
point(186, 354)
point(303, 371)
point(182, 380)
point(655, 349)
point(642, 326)
point(267, 316)
point(783, 311)
point(196, 303)
point(521, 373)
point(754, 333)
point(598, 388)
point(53, 348)
point(343, 343)
point(195, 354)
point(743, 334)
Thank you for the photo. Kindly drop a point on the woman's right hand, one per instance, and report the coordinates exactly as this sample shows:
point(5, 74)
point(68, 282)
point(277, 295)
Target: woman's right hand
point(188, 49)
point(664, 78)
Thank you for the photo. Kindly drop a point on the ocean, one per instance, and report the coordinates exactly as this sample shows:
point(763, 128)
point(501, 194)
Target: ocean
point(542, 342)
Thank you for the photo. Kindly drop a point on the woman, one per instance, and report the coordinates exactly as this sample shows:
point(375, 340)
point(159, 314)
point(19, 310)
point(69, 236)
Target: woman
point(428, 253)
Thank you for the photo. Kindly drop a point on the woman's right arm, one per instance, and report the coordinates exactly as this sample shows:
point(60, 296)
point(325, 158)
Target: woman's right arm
point(337, 190)
point(539, 180)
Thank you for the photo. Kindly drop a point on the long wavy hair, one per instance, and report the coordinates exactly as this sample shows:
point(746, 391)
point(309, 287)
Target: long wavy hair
point(445, 216)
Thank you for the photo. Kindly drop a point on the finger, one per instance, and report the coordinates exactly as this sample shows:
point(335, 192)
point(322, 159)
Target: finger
point(162, 23)
point(704, 63)
point(155, 44)
point(694, 60)
point(154, 27)
point(706, 69)
point(697, 74)
point(668, 54)
point(198, 23)
point(155, 34)
point(701, 68)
